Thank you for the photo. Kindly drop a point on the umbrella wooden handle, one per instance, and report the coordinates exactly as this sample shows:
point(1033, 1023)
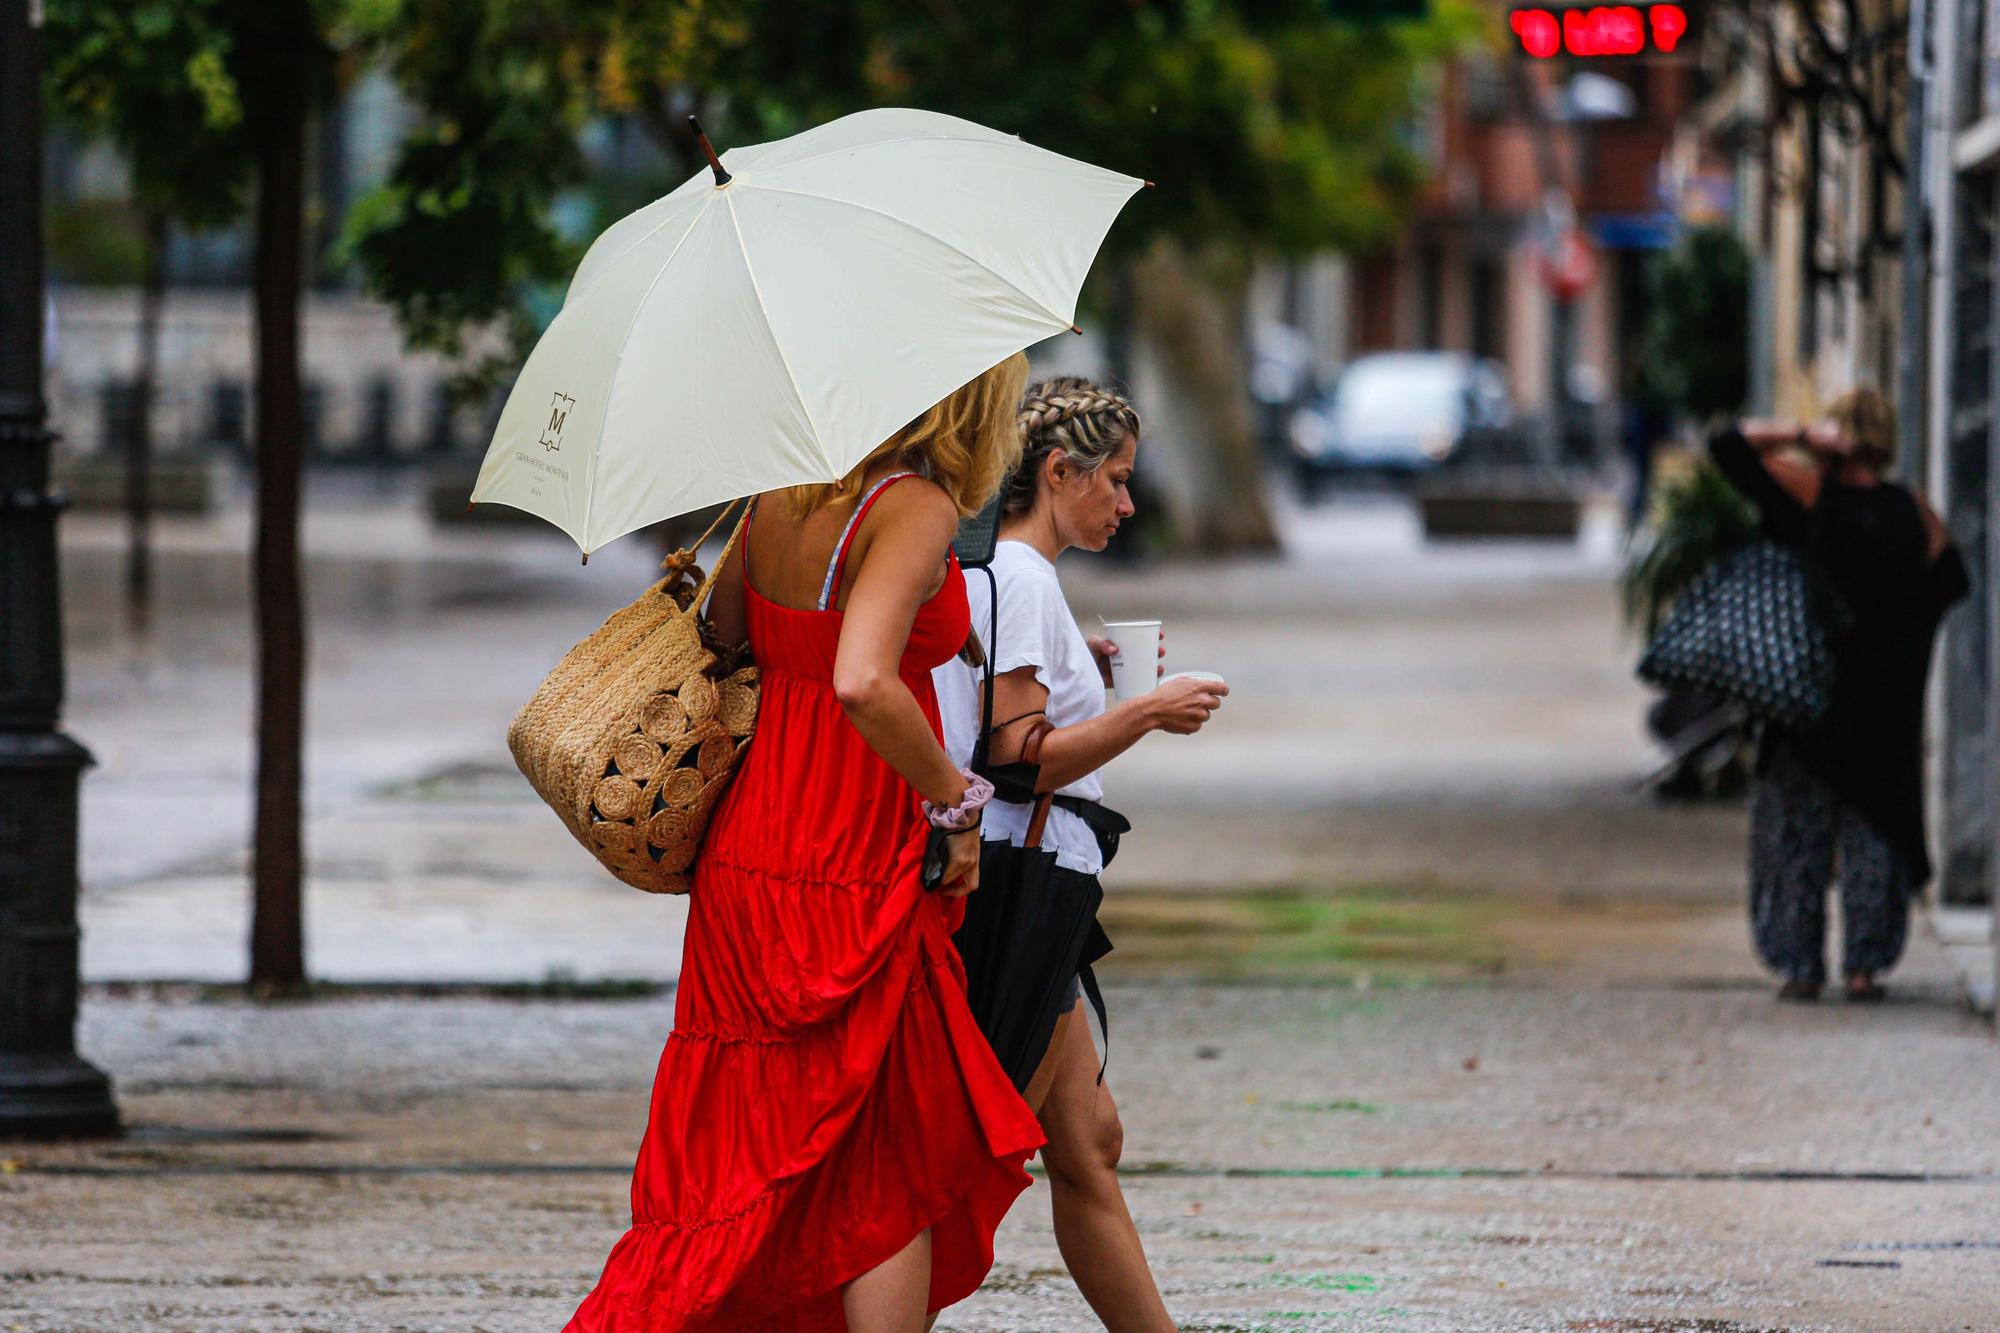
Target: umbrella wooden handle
point(1031, 752)
point(714, 163)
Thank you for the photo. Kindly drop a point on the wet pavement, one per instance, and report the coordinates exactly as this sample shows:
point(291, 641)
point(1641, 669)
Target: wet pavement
point(1447, 1156)
point(1422, 1018)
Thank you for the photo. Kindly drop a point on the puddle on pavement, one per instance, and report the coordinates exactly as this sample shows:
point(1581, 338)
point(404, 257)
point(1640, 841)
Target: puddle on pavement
point(1338, 1106)
point(463, 782)
point(151, 1136)
point(556, 984)
point(1398, 935)
point(1368, 935)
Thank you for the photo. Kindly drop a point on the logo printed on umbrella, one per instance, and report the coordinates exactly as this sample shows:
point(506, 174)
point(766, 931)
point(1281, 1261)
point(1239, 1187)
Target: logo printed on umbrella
point(559, 409)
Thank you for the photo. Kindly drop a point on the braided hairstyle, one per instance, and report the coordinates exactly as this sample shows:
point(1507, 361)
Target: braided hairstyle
point(1082, 418)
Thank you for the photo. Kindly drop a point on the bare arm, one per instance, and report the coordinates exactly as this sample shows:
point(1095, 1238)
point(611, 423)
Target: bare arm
point(898, 568)
point(1069, 753)
point(1798, 479)
point(1936, 537)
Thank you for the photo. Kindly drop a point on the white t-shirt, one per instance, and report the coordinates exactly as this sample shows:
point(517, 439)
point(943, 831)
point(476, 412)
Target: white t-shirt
point(1036, 630)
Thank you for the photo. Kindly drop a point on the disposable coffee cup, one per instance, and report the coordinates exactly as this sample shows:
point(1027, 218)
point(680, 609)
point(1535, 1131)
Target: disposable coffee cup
point(1135, 667)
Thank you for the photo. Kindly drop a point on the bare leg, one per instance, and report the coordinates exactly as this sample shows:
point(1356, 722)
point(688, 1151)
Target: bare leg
point(1093, 1226)
point(1044, 1076)
point(892, 1296)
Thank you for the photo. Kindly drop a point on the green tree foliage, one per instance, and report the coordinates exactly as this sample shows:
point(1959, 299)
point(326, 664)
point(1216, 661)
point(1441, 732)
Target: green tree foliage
point(156, 79)
point(1696, 345)
point(1266, 124)
point(462, 234)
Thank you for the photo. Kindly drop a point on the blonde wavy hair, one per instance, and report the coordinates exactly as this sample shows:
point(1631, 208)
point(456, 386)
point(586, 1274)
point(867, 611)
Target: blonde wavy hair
point(966, 443)
point(1864, 416)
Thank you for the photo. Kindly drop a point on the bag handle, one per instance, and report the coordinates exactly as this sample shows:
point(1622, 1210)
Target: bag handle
point(683, 558)
point(1031, 752)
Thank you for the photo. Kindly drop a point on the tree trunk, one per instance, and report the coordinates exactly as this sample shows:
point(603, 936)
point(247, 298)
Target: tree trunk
point(1195, 326)
point(277, 934)
point(139, 449)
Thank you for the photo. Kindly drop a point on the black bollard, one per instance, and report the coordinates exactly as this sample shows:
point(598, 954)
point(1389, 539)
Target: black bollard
point(45, 1089)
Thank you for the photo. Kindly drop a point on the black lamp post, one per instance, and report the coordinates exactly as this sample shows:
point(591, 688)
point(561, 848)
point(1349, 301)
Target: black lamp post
point(45, 1088)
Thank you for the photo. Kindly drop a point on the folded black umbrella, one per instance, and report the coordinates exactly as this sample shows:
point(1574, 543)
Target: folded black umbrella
point(1029, 929)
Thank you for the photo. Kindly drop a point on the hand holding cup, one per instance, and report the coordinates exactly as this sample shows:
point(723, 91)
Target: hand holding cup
point(1183, 703)
point(1105, 650)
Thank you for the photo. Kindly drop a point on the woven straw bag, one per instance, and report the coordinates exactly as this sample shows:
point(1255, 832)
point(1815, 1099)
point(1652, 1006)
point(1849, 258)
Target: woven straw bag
point(634, 736)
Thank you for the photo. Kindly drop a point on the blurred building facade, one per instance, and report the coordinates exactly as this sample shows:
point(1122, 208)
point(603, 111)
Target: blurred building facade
point(366, 398)
point(1952, 373)
point(1510, 135)
point(370, 400)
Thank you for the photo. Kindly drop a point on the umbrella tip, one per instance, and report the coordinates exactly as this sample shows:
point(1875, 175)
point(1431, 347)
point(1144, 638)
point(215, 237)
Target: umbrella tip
point(722, 177)
point(586, 557)
point(1075, 329)
point(1149, 185)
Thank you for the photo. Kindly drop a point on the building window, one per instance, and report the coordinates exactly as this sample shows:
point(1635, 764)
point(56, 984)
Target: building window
point(1430, 296)
point(1486, 91)
point(1967, 51)
point(1486, 295)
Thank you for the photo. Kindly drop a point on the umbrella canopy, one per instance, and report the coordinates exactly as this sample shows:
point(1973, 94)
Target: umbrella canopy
point(770, 330)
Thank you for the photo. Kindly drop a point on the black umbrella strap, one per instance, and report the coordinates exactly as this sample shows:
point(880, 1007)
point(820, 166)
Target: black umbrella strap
point(1101, 819)
point(984, 744)
point(1086, 977)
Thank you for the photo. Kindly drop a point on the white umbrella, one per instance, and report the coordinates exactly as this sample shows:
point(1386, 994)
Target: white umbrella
point(770, 323)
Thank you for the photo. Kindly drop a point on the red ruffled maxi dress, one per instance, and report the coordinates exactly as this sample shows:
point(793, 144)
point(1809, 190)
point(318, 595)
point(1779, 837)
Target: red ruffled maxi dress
point(825, 1094)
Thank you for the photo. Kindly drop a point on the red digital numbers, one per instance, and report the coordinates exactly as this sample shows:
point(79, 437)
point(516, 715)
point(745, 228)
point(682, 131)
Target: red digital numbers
point(1613, 30)
point(1603, 30)
point(1540, 34)
point(1670, 23)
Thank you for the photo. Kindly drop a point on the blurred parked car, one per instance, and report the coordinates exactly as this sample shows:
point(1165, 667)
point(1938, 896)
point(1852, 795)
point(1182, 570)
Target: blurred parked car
point(1406, 413)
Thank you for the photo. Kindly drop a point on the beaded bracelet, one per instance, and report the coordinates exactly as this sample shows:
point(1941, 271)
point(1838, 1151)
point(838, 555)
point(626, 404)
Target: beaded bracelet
point(966, 814)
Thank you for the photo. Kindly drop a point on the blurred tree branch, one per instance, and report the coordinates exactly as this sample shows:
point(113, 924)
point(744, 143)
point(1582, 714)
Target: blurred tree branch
point(1270, 129)
point(1844, 76)
point(210, 102)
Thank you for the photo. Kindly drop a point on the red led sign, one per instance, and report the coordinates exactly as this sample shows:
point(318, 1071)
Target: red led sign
point(1602, 30)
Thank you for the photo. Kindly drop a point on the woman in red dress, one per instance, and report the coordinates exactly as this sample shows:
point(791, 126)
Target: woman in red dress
point(832, 1143)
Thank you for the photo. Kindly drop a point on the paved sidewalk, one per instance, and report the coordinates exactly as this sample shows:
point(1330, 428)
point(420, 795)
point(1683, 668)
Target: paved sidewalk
point(1421, 1017)
point(1457, 715)
point(1465, 1157)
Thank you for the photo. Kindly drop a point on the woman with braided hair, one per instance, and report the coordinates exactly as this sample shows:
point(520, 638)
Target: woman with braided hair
point(1079, 443)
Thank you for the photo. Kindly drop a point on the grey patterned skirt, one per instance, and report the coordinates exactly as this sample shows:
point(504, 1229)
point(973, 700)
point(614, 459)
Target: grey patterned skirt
point(1803, 837)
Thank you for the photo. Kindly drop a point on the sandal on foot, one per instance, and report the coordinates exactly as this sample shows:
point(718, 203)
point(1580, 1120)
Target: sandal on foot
point(1797, 991)
point(1865, 990)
